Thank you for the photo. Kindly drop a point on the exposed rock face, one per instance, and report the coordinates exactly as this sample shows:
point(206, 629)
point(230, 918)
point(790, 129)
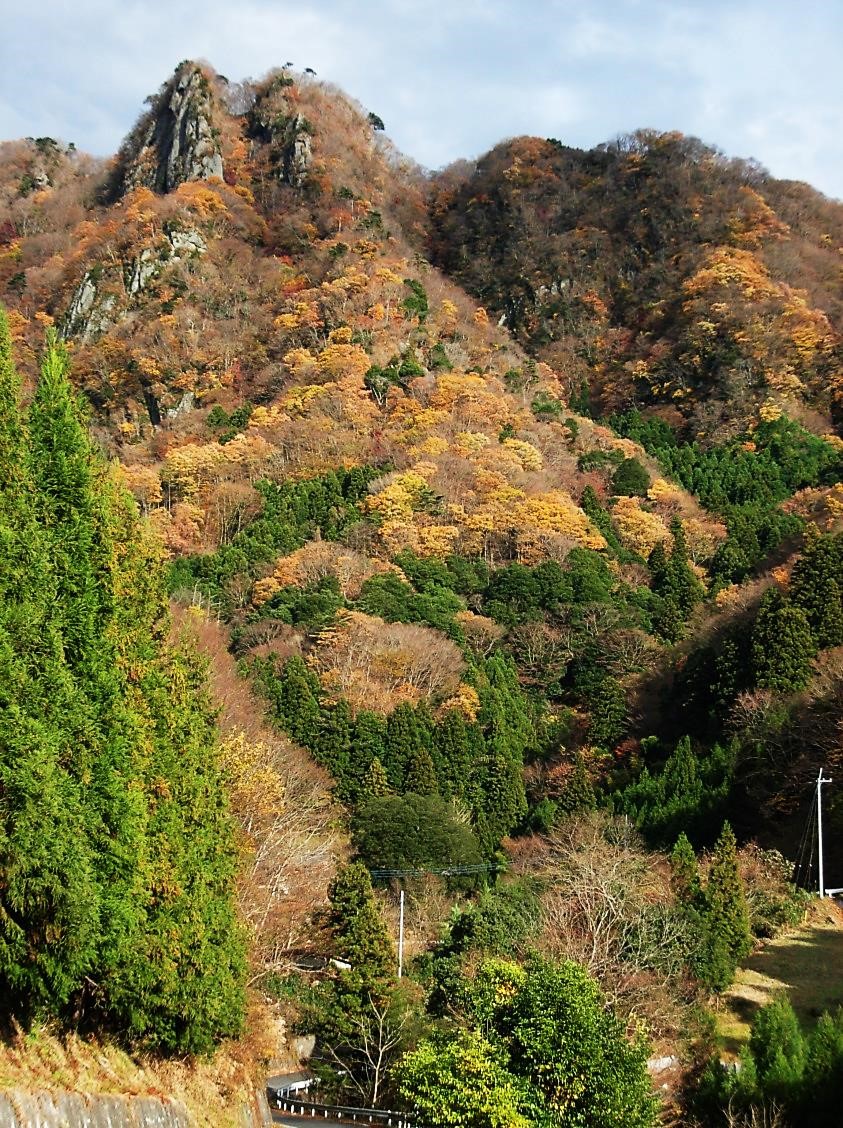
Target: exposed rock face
point(88, 312)
point(295, 152)
point(138, 272)
point(185, 404)
point(288, 136)
point(186, 241)
point(151, 260)
point(92, 311)
point(176, 141)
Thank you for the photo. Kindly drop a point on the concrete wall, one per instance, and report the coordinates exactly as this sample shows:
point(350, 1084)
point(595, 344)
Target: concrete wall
point(70, 1110)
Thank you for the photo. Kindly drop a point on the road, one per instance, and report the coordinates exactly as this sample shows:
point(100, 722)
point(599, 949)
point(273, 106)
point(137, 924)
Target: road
point(307, 1121)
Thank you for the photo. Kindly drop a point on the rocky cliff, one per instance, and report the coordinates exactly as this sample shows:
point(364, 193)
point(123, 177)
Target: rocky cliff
point(286, 131)
point(176, 140)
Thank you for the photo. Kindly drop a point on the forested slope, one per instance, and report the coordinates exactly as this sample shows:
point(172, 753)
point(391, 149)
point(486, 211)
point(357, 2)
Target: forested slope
point(654, 270)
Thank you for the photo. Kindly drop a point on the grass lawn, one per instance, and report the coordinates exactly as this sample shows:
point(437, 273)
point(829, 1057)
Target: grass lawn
point(805, 963)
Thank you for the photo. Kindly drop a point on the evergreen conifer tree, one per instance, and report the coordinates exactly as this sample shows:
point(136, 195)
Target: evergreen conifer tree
point(823, 1074)
point(630, 479)
point(420, 776)
point(98, 588)
point(816, 584)
point(607, 708)
point(590, 505)
point(683, 585)
point(360, 935)
point(782, 645)
point(425, 724)
point(297, 702)
point(728, 936)
point(453, 750)
point(502, 798)
point(729, 668)
point(685, 874)
point(827, 624)
point(674, 581)
point(404, 739)
point(367, 744)
point(730, 564)
point(346, 1010)
point(668, 620)
point(504, 716)
point(117, 852)
point(657, 562)
point(680, 776)
point(778, 1050)
point(67, 480)
point(333, 745)
point(182, 987)
point(49, 894)
point(375, 783)
point(578, 792)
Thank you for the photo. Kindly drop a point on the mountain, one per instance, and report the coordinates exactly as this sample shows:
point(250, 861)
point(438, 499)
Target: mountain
point(654, 269)
point(505, 505)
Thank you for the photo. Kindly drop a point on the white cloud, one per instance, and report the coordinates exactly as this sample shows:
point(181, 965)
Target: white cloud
point(755, 77)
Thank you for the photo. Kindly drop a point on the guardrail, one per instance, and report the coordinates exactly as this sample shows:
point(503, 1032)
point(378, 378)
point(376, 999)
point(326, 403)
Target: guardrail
point(292, 1106)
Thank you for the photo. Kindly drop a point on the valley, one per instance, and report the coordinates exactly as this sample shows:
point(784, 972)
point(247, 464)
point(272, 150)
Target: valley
point(474, 535)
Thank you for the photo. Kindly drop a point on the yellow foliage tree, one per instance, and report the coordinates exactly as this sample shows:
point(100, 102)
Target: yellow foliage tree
point(639, 529)
point(529, 457)
point(466, 701)
point(316, 560)
point(337, 360)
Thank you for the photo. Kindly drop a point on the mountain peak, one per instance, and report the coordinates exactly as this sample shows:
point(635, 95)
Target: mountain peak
point(177, 139)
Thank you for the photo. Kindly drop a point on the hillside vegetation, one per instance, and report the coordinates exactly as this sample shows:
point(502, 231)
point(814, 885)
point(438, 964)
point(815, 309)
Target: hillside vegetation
point(653, 271)
point(504, 505)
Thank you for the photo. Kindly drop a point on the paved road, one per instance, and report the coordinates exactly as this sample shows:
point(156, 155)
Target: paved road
point(306, 1121)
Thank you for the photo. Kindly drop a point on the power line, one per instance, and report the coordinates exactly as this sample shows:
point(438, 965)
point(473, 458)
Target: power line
point(803, 870)
point(448, 871)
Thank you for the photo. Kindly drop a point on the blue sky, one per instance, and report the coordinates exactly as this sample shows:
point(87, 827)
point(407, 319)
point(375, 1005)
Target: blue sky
point(757, 78)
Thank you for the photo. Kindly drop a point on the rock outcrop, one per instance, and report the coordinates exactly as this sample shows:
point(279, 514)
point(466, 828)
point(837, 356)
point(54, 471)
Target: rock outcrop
point(146, 265)
point(288, 134)
point(294, 151)
point(89, 311)
point(94, 305)
point(176, 140)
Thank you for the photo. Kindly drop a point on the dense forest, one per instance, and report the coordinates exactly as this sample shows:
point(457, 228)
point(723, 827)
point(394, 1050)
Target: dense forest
point(117, 845)
point(652, 270)
point(322, 581)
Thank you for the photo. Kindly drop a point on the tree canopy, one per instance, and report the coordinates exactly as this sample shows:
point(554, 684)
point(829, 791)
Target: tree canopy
point(117, 850)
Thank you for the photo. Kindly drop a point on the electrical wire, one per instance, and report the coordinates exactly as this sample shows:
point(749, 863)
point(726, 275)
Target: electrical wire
point(803, 869)
point(448, 871)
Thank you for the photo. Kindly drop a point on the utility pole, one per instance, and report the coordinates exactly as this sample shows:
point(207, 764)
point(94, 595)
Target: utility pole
point(401, 928)
point(820, 781)
point(447, 871)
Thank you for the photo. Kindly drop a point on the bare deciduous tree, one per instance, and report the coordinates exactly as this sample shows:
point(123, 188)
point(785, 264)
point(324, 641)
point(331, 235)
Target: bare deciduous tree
point(758, 1116)
point(376, 665)
point(371, 1049)
point(607, 907)
point(543, 651)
